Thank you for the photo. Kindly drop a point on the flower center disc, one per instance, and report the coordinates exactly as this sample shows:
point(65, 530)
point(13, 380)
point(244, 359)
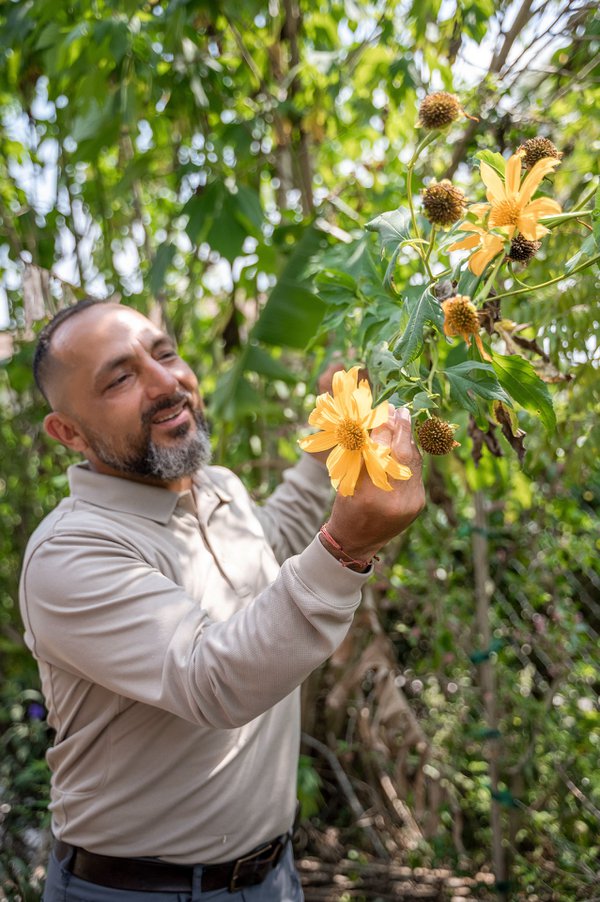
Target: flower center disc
point(505, 213)
point(350, 435)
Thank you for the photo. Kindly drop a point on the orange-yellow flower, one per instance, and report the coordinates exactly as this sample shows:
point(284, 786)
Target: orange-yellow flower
point(489, 246)
point(460, 318)
point(346, 419)
point(510, 206)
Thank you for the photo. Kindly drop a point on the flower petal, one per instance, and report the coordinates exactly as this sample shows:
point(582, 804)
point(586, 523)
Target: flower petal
point(378, 417)
point(465, 243)
point(344, 469)
point(496, 191)
point(513, 173)
point(397, 470)
point(532, 181)
point(478, 210)
point(344, 382)
point(376, 469)
point(320, 441)
point(364, 401)
point(480, 259)
point(543, 206)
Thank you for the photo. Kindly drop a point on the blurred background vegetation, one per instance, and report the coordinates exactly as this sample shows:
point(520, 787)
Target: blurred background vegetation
point(211, 164)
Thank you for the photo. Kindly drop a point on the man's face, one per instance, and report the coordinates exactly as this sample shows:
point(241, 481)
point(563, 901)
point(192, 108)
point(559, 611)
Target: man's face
point(133, 400)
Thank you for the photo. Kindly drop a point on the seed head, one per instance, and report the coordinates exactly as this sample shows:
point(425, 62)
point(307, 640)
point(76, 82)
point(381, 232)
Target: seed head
point(537, 149)
point(436, 436)
point(444, 203)
point(439, 109)
point(522, 250)
point(460, 316)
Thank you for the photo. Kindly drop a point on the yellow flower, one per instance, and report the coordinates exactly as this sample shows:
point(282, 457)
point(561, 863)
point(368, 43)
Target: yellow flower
point(489, 246)
point(510, 206)
point(460, 318)
point(345, 420)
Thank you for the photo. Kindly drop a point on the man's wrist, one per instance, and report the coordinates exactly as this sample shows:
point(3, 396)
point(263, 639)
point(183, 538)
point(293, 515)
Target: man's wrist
point(359, 561)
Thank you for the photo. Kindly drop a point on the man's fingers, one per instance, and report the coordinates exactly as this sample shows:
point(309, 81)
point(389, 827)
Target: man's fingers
point(403, 445)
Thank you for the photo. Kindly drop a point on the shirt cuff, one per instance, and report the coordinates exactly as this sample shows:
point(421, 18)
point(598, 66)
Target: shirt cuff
point(326, 578)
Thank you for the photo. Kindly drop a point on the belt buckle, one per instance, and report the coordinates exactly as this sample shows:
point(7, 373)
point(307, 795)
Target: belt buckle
point(259, 870)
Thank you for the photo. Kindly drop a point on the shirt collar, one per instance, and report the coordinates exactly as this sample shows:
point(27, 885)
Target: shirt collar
point(131, 497)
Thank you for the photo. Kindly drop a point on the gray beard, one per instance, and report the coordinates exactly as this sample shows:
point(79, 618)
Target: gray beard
point(153, 461)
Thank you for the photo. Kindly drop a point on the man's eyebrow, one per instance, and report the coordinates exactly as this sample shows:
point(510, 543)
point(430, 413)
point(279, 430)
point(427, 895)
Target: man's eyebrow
point(110, 365)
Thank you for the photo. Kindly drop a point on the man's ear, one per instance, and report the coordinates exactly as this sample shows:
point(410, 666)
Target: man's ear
point(65, 430)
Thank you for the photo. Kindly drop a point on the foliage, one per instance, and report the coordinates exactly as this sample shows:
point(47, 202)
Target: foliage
point(217, 166)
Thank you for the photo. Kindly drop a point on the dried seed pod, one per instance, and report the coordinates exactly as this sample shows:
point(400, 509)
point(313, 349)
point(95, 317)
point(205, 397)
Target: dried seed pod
point(436, 436)
point(522, 250)
point(439, 109)
point(536, 149)
point(444, 204)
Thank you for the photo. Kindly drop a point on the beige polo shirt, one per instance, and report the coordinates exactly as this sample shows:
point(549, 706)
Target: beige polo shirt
point(170, 645)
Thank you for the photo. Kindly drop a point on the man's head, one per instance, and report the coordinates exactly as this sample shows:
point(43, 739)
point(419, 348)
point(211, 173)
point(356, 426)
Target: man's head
point(120, 394)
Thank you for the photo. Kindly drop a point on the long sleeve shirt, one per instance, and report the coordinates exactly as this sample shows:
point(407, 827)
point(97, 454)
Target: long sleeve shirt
point(172, 632)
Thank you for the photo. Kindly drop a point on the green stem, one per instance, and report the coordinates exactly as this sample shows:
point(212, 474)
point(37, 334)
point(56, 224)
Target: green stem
point(552, 221)
point(433, 369)
point(421, 147)
point(491, 279)
point(587, 197)
point(508, 294)
point(428, 254)
point(409, 173)
point(413, 217)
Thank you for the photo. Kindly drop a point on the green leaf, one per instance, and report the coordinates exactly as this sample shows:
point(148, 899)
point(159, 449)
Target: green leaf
point(90, 124)
point(523, 384)
point(392, 227)
point(474, 378)
point(587, 249)
point(259, 361)
point(291, 316)
point(424, 312)
point(293, 313)
point(160, 264)
point(249, 211)
point(467, 282)
point(495, 160)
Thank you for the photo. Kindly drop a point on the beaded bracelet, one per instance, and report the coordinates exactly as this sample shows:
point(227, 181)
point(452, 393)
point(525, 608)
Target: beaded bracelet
point(348, 559)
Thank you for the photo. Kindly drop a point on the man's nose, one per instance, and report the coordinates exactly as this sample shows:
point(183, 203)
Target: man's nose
point(159, 380)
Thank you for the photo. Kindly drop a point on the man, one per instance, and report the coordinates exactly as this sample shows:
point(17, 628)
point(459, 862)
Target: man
point(170, 641)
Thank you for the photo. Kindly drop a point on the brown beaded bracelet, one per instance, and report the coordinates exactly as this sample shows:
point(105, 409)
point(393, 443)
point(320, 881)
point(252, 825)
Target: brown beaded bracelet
point(348, 559)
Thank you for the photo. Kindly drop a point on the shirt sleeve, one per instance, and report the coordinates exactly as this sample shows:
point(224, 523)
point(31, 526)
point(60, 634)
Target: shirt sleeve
point(92, 607)
point(293, 513)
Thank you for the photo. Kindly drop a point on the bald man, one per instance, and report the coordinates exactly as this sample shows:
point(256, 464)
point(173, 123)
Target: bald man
point(173, 621)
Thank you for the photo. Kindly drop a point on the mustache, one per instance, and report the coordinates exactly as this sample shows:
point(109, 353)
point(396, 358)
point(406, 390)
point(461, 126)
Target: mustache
point(172, 401)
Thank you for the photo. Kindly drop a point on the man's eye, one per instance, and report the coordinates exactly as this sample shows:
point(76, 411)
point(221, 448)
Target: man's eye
point(167, 355)
point(119, 380)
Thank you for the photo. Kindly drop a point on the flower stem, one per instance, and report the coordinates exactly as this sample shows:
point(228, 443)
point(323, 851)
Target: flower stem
point(491, 279)
point(586, 197)
point(433, 369)
point(409, 172)
point(508, 294)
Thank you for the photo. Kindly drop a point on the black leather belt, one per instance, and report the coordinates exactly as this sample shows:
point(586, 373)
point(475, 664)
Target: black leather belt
point(153, 875)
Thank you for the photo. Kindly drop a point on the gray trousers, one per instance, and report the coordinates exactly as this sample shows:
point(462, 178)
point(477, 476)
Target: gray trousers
point(282, 884)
